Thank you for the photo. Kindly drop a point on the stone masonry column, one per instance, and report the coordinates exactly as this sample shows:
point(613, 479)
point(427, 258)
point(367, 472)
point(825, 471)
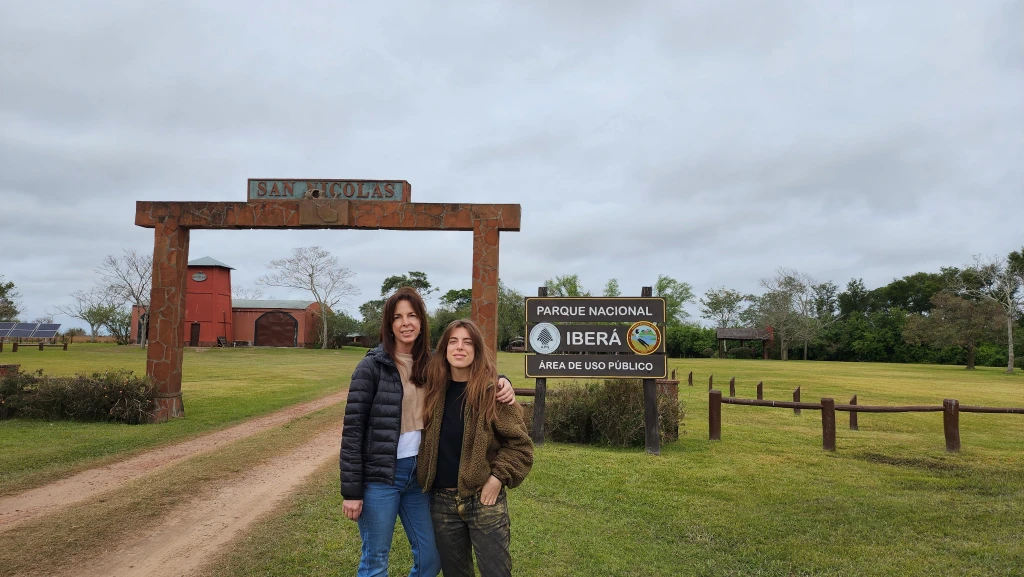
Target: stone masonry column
point(484, 309)
point(167, 317)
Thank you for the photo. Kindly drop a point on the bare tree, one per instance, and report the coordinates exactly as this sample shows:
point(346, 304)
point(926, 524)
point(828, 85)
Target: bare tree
point(313, 269)
point(129, 280)
point(92, 306)
point(246, 293)
point(1000, 281)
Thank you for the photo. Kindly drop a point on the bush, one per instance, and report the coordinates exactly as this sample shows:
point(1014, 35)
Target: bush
point(740, 353)
point(117, 396)
point(608, 413)
point(708, 353)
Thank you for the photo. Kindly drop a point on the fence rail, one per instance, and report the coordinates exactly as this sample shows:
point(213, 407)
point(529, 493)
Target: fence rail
point(950, 409)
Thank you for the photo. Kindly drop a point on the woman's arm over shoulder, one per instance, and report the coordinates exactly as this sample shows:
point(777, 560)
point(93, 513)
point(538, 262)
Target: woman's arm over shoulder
point(515, 457)
point(357, 412)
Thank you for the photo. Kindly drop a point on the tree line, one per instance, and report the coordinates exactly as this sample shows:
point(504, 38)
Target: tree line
point(960, 315)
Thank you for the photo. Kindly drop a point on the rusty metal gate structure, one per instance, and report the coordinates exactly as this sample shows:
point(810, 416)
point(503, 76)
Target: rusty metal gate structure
point(301, 204)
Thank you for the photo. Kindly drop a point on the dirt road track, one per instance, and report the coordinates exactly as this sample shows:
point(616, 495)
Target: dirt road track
point(191, 534)
point(34, 503)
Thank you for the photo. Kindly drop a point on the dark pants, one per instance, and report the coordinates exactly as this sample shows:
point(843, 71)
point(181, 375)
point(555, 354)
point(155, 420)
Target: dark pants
point(462, 526)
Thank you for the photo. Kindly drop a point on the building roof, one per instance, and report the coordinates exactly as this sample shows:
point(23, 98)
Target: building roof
point(269, 304)
point(741, 334)
point(207, 261)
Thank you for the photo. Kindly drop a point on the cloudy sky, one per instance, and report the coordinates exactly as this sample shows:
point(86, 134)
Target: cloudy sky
point(710, 141)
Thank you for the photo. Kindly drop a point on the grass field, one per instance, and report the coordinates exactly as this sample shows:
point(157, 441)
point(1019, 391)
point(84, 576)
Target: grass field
point(766, 500)
point(220, 387)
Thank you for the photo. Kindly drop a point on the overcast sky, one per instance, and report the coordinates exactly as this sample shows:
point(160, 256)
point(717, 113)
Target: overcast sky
point(710, 141)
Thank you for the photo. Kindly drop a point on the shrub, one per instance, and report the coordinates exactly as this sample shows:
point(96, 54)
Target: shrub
point(740, 353)
point(708, 352)
point(118, 396)
point(608, 413)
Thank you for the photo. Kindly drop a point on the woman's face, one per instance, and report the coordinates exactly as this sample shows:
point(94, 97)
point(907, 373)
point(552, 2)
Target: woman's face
point(460, 349)
point(406, 326)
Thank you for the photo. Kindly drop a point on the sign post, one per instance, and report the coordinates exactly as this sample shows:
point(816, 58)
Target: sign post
point(597, 337)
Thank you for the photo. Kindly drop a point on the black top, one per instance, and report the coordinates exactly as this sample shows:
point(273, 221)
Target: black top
point(373, 423)
point(449, 449)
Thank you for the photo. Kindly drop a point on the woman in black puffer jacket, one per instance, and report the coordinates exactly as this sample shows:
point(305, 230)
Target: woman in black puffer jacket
point(381, 439)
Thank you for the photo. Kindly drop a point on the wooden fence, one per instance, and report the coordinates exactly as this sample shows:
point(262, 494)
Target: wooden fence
point(950, 409)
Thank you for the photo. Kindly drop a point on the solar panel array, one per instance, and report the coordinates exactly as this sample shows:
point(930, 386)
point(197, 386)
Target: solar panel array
point(46, 331)
point(29, 330)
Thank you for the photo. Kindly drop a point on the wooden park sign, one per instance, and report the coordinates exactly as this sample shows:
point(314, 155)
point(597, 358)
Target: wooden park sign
point(628, 343)
point(634, 350)
point(302, 204)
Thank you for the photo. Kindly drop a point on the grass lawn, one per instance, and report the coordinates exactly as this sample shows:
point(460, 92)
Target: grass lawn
point(220, 387)
point(766, 500)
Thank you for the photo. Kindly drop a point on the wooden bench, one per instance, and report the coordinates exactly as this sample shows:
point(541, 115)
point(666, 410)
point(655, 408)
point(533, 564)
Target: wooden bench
point(42, 346)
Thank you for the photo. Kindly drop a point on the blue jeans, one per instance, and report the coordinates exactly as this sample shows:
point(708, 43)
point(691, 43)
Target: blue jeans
point(382, 504)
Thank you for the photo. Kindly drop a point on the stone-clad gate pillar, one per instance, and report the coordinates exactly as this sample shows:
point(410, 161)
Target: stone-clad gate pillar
point(484, 307)
point(172, 221)
point(167, 316)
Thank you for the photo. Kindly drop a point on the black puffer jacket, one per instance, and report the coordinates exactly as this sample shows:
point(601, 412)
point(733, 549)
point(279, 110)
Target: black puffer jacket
point(373, 422)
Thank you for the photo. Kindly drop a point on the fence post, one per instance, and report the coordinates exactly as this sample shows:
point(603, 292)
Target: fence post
point(796, 399)
point(711, 381)
point(539, 397)
point(760, 390)
point(951, 424)
point(715, 415)
point(828, 424)
point(652, 433)
point(853, 415)
point(14, 347)
point(689, 380)
point(40, 345)
point(65, 345)
point(732, 387)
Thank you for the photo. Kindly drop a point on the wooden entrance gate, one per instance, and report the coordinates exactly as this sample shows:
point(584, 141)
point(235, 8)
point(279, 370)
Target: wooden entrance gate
point(323, 205)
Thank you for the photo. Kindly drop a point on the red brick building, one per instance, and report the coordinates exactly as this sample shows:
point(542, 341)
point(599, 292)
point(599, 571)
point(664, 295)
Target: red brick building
point(212, 317)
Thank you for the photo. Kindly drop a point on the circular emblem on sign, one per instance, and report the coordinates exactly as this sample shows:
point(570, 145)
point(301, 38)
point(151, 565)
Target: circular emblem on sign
point(545, 338)
point(644, 338)
point(199, 277)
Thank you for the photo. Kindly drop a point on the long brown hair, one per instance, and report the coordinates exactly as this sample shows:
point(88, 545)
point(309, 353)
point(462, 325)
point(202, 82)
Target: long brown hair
point(483, 372)
point(421, 347)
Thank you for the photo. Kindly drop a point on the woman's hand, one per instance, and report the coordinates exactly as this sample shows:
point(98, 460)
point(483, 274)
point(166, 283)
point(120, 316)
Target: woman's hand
point(491, 490)
point(505, 395)
point(352, 508)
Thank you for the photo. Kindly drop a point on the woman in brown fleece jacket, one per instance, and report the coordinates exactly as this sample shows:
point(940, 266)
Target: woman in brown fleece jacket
point(472, 450)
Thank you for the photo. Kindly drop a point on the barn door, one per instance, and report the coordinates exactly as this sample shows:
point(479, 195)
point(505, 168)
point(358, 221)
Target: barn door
point(276, 329)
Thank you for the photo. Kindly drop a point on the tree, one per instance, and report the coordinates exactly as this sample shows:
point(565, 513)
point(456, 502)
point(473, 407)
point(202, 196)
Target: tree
point(457, 298)
point(246, 293)
point(415, 279)
point(316, 270)
point(9, 306)
point(955, 322)
point(999, 281)
point(119, 323)
point(511, 314)
point(566, 286)
point(722, 306)
point(91, 306)
point(611, 288)
point(339, 326)
point(129, 280)
point(777, 308)
point(372, 312)
point(676, 294)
